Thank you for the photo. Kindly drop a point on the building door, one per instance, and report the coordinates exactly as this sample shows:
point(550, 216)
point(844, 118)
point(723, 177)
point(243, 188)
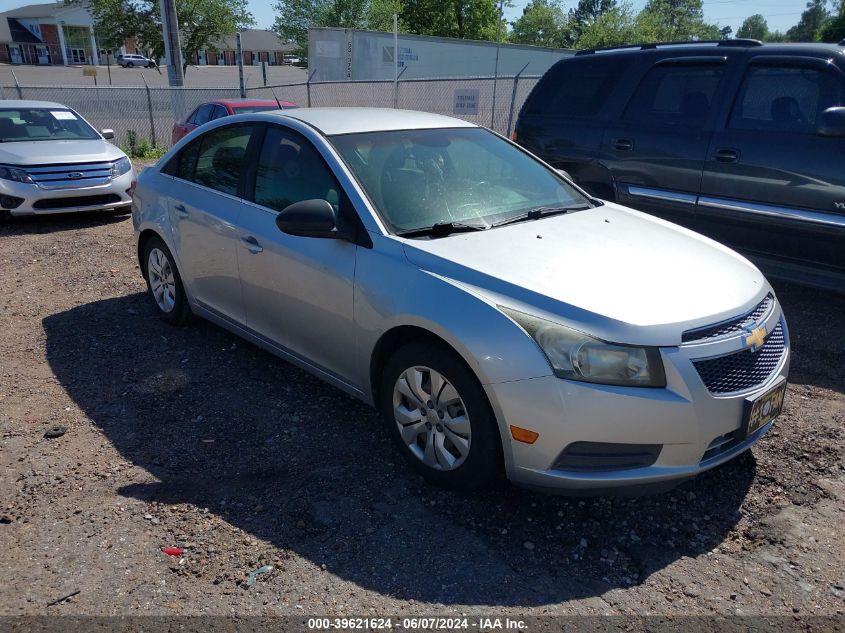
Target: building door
point(43, 54)
point(77, 56)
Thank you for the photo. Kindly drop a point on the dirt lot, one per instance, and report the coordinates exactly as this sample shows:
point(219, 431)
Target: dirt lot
point(191, 437)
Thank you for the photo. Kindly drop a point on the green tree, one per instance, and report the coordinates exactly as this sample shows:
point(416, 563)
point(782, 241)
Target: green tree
point(754, 27)
point(834, 30)
point(542, 23)
point(675, 20)
point(297, 16)
point(464, 19)
point(813, 21)
point(615, 27)
point(380, 15)
point(202, 23)
point(586, 12)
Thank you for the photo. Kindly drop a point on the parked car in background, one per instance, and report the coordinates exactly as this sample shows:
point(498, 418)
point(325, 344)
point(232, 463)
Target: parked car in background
point(739, 140)
point(214, 110)
point(291, 59)
point(53, 161)
point(130, 60)
point(498, 316)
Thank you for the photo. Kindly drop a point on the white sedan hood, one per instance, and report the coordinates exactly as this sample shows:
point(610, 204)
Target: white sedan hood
point(620, 274)
point(58, 152)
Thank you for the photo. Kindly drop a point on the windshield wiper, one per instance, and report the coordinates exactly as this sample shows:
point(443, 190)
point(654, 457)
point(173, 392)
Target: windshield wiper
point(541, 212)
point(442, 229)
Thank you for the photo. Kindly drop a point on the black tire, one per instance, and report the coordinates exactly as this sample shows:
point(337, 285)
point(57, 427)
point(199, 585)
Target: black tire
point(5, 215)
point(180, 314)
point(130, 65)
point(151, 65)
point(483, 463)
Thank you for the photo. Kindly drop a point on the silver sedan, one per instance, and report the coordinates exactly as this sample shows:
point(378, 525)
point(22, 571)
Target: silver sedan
point(499, 318)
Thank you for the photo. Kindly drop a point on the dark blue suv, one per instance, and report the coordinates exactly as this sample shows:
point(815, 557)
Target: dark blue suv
point(741, 141)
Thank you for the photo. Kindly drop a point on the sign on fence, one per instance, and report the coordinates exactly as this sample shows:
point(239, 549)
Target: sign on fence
point(466, 101)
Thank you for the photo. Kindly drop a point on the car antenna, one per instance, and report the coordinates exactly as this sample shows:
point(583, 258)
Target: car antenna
point(278, 103)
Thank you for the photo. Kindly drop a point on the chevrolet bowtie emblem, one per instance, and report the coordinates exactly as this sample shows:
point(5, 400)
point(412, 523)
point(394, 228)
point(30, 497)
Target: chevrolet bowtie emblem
point(755, 338)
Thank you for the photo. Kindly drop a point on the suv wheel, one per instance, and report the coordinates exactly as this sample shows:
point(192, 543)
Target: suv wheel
point(164, 283)
point(438, 414)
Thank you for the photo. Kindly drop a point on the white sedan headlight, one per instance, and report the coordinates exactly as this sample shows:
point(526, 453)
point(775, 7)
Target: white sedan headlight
point(577, 356)
point(14, 174)
point(120, 167)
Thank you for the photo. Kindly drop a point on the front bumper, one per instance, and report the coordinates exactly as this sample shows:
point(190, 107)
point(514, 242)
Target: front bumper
point(38, 200)
point(684, 420)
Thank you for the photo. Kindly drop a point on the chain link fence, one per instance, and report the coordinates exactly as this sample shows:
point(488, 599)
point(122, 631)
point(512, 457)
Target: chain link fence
point(139, 114)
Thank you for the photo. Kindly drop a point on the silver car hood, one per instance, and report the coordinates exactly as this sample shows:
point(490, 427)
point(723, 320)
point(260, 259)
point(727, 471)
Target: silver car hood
point(618, 274)
point(57, 152)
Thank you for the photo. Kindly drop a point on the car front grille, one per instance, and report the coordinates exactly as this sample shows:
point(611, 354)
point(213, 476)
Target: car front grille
point(731, 326)
point(603, 456)
point(73, 176)
point(721, 444)
point(744, 370)
point(77, 201)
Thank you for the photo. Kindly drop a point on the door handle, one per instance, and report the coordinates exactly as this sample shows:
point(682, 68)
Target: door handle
point(252, 244)
point(181, 210)
point(623, 144)
point(727, 155)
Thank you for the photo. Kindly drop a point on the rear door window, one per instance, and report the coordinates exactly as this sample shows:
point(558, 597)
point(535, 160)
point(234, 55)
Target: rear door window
point(203, 114)
point(578, 87)
point(785, 98)
point(675, 95)
point(221, 158)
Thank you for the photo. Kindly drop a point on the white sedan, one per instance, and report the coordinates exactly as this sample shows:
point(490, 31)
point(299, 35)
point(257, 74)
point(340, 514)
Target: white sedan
point(53, 161)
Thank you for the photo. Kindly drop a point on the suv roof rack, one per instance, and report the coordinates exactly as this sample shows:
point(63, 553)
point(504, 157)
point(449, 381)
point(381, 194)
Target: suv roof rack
point(643, 47)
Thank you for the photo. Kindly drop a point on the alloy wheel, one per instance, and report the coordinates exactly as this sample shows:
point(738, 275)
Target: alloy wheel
point(162, 280)
point(432, 418)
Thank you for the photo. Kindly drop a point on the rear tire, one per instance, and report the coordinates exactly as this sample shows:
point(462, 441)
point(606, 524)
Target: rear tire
point(164, 283)
point(438, 414)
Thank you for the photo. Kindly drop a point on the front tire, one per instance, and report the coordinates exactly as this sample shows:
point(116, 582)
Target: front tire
point(164, 283)
point(437, 412)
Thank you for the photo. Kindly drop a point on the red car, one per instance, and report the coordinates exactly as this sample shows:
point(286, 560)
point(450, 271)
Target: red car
point(224, 107)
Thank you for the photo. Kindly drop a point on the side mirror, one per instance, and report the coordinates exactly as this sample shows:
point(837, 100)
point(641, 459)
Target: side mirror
point(832, 122)
point(108, 134)
point(310, 218)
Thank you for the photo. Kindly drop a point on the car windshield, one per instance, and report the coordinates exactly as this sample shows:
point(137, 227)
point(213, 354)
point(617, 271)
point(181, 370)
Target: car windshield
point(257, 108)
point(421, 178)
point(43, 124)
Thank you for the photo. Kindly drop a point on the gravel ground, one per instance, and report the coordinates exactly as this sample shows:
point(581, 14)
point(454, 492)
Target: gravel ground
point(191, 437)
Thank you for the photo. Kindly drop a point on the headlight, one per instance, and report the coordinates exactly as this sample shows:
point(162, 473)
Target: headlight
point(14, 174)
point(120, 167)
point(576, 356)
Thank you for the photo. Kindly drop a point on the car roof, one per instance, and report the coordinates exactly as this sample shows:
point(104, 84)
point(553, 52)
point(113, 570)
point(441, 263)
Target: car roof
point(682, 48)
point(332, 121)
point(17, 103)
point(235, 103)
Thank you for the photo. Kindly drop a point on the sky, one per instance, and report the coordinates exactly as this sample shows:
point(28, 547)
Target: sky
point(780, 14)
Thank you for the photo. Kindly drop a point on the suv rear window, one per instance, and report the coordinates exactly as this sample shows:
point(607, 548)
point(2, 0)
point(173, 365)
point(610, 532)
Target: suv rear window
point(675, 94)
point(785, 98)
point(578, 86)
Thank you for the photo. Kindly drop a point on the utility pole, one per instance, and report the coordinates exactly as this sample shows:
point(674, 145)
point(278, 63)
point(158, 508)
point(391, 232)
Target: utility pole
point(172, 45)
point(496, 70)
point(395, 61)
point(240, 55)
